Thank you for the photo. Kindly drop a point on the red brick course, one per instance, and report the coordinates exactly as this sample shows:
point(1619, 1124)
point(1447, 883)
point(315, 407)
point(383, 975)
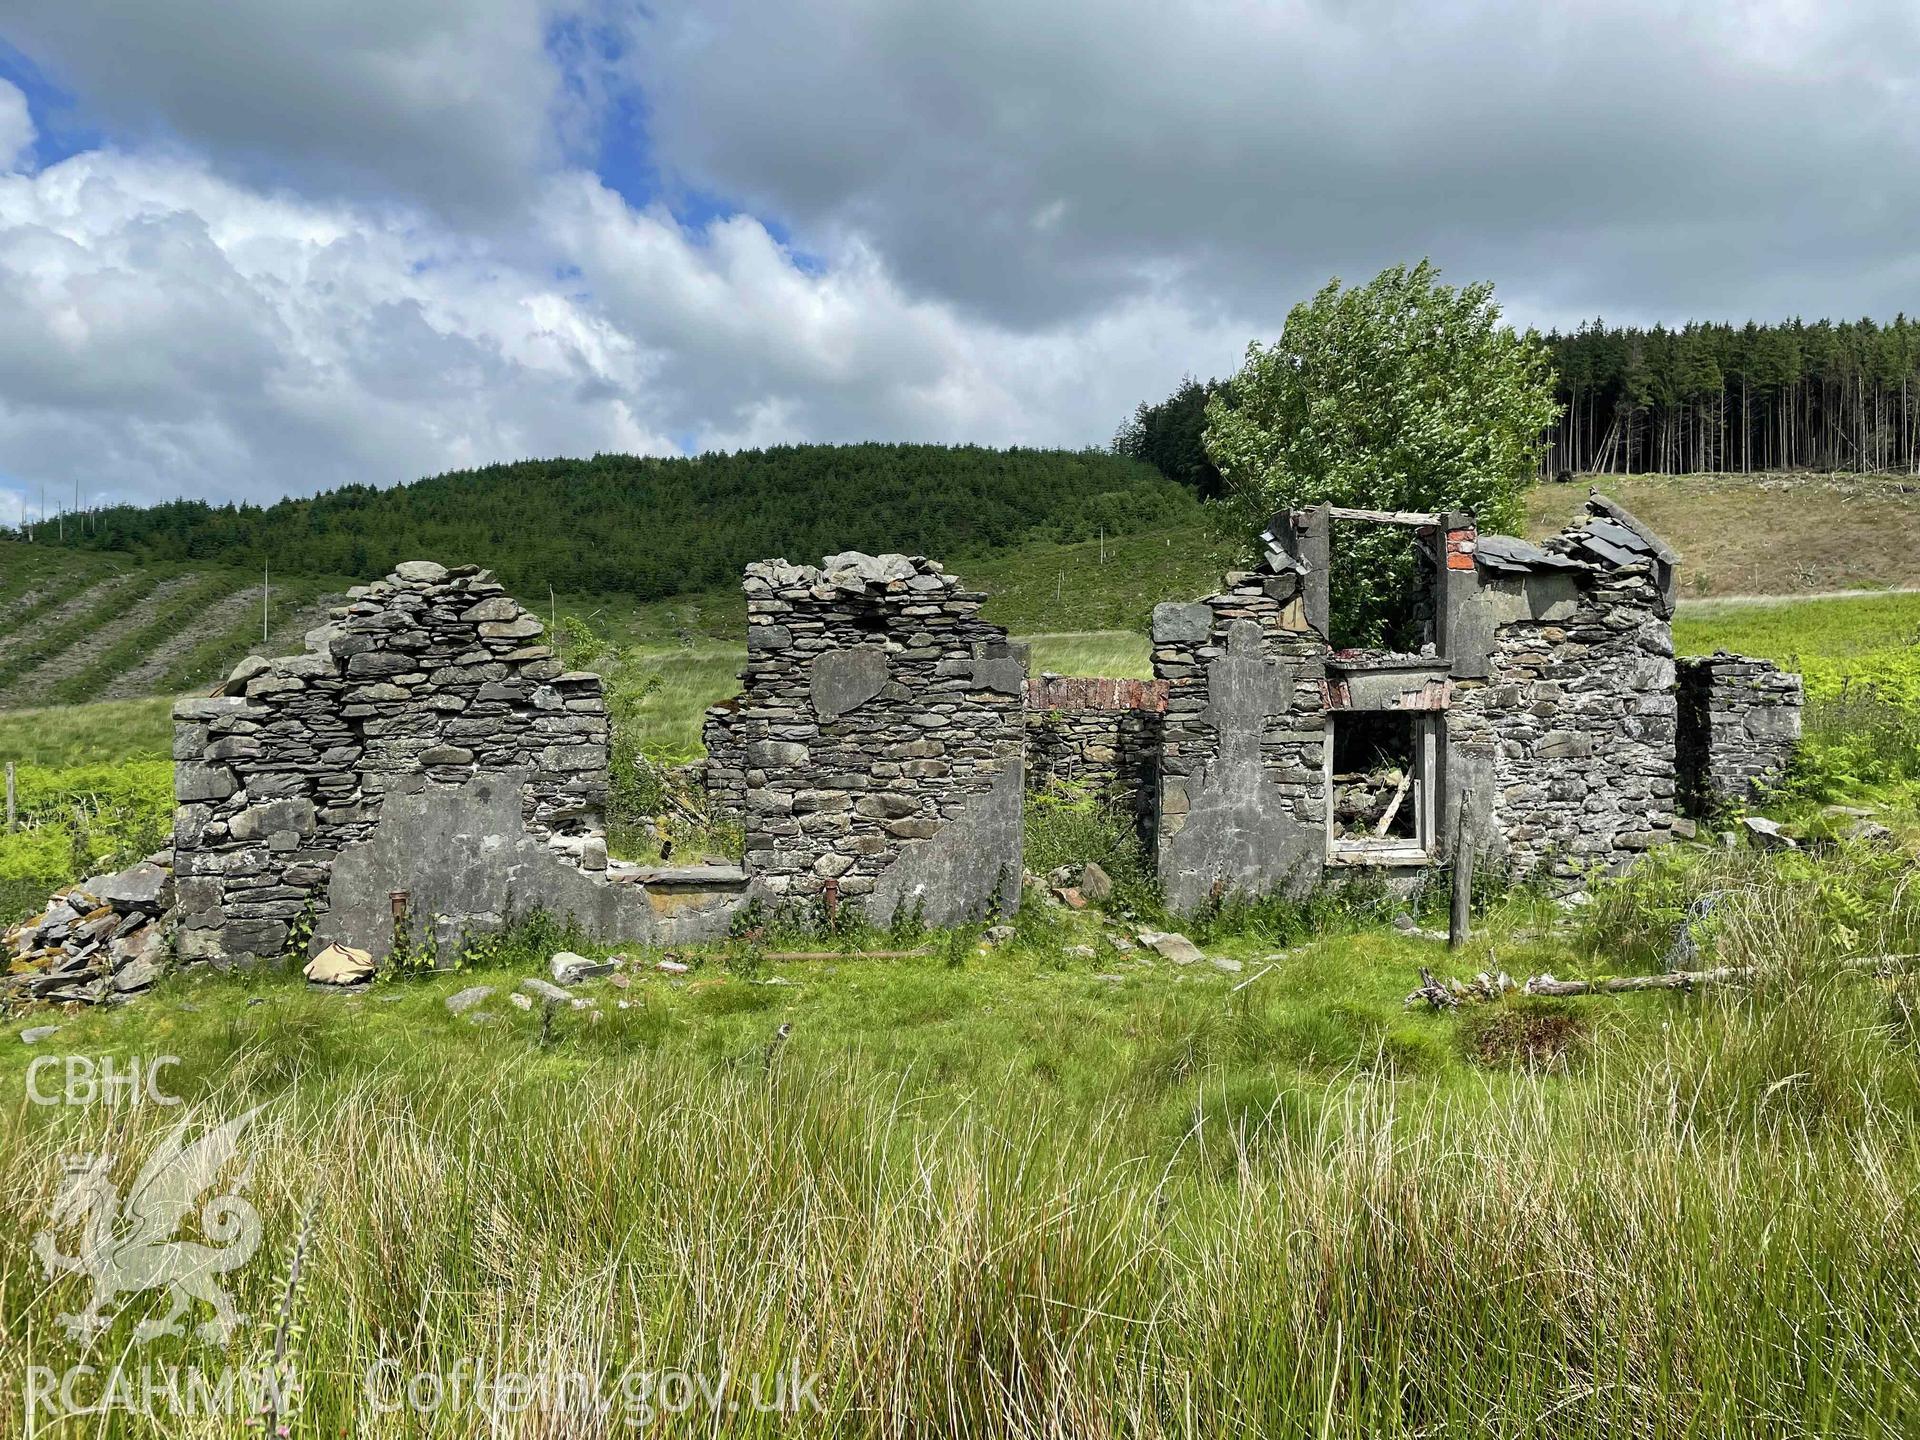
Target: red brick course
point(1089, 692)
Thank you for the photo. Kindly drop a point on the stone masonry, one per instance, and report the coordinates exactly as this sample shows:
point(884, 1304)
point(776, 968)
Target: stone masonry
point(1539, 715)
point(724, 773)
point(1569, 740)
point(1739, 727)
point(1102, 735)
point(878, 753)
point(431, 675)
point(881, 731)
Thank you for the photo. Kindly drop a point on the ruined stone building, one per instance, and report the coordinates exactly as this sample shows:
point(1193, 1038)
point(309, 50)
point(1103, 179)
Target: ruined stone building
point(426, 761)
point(428, 767)
point(1540, 718)
point(1537, 718)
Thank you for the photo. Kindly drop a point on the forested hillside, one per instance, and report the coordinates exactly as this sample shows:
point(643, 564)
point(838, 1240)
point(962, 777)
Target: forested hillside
point(77, 627)
point(618, 524)
point(1820, 396)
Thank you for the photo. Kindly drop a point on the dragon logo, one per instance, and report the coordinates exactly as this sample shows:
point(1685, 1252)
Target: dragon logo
point(129, 1247)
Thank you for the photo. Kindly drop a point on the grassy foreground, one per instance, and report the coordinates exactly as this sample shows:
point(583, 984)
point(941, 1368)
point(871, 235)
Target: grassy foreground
point(1026, 1191)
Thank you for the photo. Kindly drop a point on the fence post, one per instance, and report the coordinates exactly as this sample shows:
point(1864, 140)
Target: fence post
point(12, 823)
point(1458, 913)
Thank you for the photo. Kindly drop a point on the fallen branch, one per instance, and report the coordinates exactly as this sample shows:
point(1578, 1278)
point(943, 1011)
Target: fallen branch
point(1484, 987)
point(1882, 964)
point(1251, 978)
point(687, 812)
point(1393, 805)
point(1440, 997)
point(1627, 984)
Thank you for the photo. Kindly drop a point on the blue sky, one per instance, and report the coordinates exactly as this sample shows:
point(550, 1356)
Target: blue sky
point(254, 247)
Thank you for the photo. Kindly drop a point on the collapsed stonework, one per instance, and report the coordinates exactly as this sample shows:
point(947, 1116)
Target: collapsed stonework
point(101, 941)
point(881, 739)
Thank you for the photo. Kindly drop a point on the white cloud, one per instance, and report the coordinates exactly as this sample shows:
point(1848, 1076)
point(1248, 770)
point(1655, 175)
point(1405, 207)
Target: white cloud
point(16, 128)
point(1037, 163)
point(355, 241)
point(170, 332)
point(173, 332)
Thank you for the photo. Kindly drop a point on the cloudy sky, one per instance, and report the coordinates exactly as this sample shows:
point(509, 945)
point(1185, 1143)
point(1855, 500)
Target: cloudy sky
point(252, 247)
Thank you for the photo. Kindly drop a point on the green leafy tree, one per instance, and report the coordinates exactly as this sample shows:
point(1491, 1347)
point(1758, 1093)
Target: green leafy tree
point(1401, 394)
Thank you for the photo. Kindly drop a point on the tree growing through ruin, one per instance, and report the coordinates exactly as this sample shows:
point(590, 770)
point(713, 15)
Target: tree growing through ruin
point(1400, 394)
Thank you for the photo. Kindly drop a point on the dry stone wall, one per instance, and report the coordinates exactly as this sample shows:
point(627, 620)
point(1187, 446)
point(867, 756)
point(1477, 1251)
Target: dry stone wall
point(881, 735)
point(1739, 728)
point(1569, 742)
point(431, 675)
point(724, 772)
point(1103, 735)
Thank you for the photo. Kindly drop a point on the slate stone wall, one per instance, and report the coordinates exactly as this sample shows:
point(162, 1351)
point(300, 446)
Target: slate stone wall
point(1241, 800)
point(1569, 742)
point(468, 862)
point(723, 775)
point(430, 674)
point(1739, 728)
point(1100, 734)
point(882, 734)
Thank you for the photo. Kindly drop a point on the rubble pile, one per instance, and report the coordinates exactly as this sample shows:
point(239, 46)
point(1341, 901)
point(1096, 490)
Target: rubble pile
point(102, 940)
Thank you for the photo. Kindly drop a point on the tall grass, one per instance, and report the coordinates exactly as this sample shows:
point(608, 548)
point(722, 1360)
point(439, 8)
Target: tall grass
point(1603, 1258)
point(96, 734)
point(1247, 1219)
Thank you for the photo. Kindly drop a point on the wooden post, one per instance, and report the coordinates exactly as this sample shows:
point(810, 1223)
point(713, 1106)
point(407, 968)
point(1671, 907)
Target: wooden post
point(1458, 913)
point(12, 822)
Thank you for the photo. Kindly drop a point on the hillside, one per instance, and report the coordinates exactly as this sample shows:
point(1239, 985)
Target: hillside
point(647, 528)
point(1770, 534)
point(78, 627)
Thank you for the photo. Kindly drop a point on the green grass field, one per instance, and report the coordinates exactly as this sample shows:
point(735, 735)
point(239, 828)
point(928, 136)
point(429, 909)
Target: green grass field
point(1022, 1191)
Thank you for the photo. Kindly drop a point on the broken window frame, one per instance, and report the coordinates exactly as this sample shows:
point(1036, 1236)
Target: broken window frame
point(1427, 740)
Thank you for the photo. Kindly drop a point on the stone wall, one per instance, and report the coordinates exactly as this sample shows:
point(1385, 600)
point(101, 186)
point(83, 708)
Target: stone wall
point(724, 773)
point(431, 675)
point(1568, 744)
point(1241, 797)
point(881, 729)
point(1100, 734)
point(1739, 725)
